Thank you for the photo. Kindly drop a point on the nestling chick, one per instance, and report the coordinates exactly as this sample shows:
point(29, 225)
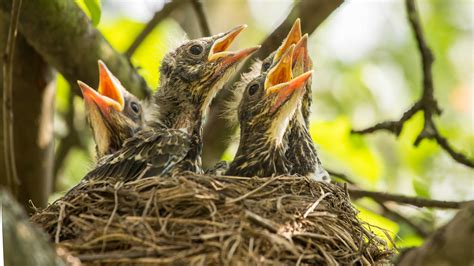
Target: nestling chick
point(301, 150)
point(268, 103)
point(191, 75)
point(113, 113)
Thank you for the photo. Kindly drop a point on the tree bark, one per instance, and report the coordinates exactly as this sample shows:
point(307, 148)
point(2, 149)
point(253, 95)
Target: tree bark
point(217, 130)
point(33, 109)
point(67, 40)
point(23, 243)
point(452, 244)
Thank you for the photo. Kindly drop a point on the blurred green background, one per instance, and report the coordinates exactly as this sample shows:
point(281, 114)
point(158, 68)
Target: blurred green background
point(367, 70)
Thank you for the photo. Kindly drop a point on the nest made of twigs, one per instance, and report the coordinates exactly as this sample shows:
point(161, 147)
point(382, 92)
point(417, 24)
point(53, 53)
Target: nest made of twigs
point(197, 219)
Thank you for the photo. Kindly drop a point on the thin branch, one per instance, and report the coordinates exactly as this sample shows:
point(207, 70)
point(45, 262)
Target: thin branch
point(341, 176)
point(8, 136)
point(392, 126)
point(427, 103)
point(203, 24)
point(387, 210)
point(415, 201)
point(150, 26)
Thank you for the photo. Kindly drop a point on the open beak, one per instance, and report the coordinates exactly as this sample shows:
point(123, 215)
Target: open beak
point(220, 46)
point(300, 56)
point(285, 90)
point(110, 87)
point(93, 97)
point(292, 38)
point(281, 72)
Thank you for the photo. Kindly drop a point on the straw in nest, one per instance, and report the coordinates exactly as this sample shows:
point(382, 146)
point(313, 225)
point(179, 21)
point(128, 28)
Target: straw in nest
point(198, 219)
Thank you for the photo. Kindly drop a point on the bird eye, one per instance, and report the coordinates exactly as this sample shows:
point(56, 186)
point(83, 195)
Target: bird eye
point(196, 49)
point(265, 66)
point(253, 89)
point(135, 107)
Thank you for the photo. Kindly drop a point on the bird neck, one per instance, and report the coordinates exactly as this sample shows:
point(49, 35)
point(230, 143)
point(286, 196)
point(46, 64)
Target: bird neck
point(259, 157)
point(301, 149)
point(178, 113)
point(305, 108)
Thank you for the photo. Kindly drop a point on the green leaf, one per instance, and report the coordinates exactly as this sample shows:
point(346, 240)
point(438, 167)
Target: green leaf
point(422, 187)
point(94, 9)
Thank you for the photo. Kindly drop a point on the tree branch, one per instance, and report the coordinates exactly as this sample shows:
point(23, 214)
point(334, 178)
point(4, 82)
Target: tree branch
point(203, 24)
point(427, 103)
point(67, 40)
point(415, 201)
point(217, 131)
point(9, 144)
point(158, 17)
point(450, 245)
point(341, 176)
point(388, 212)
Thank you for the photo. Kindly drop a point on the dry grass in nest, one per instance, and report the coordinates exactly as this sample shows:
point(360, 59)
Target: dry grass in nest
point(198, 219)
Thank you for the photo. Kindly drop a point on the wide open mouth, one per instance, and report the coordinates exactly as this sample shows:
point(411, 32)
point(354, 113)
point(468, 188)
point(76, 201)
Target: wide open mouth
point(281, 71)
point(293, 37)
point(103, 102)
point(220, 46)
point(286, 90)
point(110, 87)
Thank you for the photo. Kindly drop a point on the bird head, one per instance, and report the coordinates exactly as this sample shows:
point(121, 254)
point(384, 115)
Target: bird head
point(114, 114)
point(301, 63)
point(195, 71)
point(270, 100)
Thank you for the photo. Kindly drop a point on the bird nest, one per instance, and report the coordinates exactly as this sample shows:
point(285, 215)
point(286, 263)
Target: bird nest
point(197, 219)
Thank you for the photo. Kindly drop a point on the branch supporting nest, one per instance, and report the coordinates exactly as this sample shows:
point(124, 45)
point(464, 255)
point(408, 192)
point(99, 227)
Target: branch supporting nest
point(8, 137)
point(427, 103)
point(414, 201)
point(382, 198)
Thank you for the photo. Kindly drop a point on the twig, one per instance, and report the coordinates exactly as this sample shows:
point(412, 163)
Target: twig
point(157, 18)
point(315, 204)
point(115, 255)
point(60, 222)
point(198, 8)
point(415, 201)
point(387, 210)
point(427, 103)
point(248, 194)
point(268, 224)
point(8, 136)
point(341, 176)
point(117, 186)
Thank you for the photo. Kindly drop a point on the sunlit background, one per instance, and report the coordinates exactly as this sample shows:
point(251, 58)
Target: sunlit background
point(367, 70)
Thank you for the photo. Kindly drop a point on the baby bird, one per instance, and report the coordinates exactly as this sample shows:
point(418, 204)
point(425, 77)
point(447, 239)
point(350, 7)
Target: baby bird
point(113, 113)
point(171, 143)
point(268, 103)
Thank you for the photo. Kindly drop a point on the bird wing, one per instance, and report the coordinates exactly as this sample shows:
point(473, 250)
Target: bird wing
point(149, 152)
